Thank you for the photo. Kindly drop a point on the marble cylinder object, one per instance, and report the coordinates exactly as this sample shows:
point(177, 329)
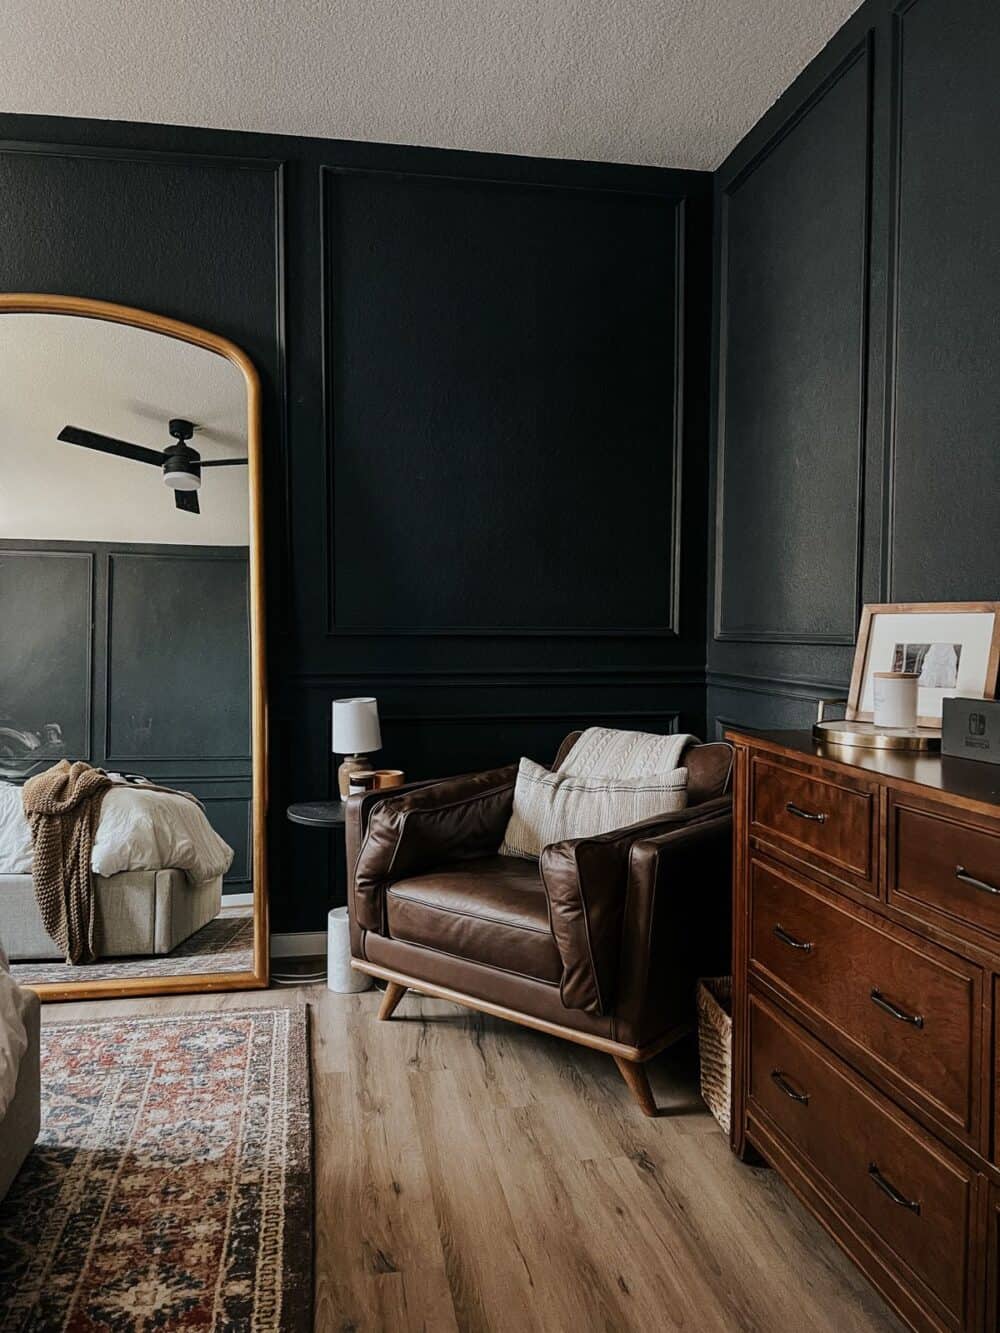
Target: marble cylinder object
point(340, 976)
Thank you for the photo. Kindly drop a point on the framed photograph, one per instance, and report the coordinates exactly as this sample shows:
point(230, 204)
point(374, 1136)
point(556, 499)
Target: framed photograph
point(953, 647)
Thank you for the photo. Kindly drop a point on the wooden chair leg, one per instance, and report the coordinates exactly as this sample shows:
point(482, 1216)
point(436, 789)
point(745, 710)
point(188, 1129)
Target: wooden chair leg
point(635, 1076)
point(394, 992)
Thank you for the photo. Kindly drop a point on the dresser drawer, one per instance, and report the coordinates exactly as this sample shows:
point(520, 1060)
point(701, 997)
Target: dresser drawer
point(914, 1195)
point(826, 822)
point(916, 1010)
point(993, 1263)
point(945, 870)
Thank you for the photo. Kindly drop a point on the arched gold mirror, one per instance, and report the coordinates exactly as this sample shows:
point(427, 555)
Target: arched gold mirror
point(133, 731)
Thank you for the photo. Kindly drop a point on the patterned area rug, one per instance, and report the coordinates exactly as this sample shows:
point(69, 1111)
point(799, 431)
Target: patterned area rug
point(171, 1185)
point(224, 945)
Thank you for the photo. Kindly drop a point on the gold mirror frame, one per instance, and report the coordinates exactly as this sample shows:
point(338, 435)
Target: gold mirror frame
point(42, 303)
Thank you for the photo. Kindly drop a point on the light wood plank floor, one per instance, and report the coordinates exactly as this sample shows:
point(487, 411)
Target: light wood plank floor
point(472, 1175)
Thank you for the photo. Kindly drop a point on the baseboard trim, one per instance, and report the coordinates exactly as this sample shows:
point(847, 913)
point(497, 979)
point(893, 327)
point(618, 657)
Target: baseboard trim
point(298, 944)
point(237, 900)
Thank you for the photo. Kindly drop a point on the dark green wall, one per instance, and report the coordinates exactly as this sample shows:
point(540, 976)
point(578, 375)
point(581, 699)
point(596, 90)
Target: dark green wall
point(487, 398)
point(485, 423)
point(856, 352)
point(140, 654)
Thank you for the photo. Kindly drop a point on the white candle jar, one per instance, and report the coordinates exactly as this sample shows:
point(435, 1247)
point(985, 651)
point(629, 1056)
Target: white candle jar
point(895, 699)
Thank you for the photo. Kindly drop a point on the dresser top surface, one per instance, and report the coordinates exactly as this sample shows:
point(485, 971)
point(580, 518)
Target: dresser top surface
point(963, 780)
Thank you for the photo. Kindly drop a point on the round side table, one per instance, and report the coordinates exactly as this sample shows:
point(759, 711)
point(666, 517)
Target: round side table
point(318, 814)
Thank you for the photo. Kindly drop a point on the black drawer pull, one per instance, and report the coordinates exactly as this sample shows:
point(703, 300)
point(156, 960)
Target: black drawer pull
point(962, 874)
point(791, 941)
point(894, 1010)
point(816, 817)
point(888, 1188)
point(796, 1096)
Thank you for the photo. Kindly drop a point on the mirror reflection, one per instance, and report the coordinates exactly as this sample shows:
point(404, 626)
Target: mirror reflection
point(125, 739)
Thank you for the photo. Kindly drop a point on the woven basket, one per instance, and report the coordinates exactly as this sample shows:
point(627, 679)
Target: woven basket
point(715, 1045)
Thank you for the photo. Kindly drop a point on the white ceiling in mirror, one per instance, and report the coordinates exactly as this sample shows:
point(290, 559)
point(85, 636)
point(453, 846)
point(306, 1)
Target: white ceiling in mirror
point(59, 370)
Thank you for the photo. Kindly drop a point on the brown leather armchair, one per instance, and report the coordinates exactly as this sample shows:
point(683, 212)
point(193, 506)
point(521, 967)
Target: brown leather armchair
point(600, 941)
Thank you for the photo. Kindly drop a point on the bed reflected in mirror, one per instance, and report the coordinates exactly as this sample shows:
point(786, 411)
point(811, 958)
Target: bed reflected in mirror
point(127, 658)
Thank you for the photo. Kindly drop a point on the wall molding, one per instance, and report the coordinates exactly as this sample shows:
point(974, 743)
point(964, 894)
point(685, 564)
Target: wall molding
point(785, 687)
point(513, 678)
point(671, 629)
point(31, 548)
point(862, 50)
point(552, 715)
point(887, 552)
point(182, 554)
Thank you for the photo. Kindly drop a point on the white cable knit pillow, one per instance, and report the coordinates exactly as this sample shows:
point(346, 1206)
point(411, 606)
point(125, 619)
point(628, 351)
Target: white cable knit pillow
point(551, 806)
point(625, 754)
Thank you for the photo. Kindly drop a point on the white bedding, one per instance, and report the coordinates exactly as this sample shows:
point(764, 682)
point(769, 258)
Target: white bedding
point(13, 1037)
point(138, 830)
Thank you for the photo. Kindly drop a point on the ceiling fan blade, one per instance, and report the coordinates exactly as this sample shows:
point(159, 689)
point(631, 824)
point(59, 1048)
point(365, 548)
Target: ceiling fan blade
point(187, 500)
point(106, 445)
point(223, 462)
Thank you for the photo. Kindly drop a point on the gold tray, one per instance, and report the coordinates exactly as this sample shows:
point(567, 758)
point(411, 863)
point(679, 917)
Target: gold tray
point(866, 736)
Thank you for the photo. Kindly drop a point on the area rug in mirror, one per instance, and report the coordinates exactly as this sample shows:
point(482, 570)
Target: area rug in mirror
point(224, 945)
point(170, 1185)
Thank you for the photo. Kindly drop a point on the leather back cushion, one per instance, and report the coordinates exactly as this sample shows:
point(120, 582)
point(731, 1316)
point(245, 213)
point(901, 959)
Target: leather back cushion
point(709, 766)
point(710, 770)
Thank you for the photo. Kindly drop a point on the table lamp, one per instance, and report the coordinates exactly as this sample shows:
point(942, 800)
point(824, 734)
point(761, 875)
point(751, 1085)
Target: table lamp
point(355, 734)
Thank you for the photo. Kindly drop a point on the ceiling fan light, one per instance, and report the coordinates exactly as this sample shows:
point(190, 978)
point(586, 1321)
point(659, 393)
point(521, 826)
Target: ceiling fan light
point(182, 481)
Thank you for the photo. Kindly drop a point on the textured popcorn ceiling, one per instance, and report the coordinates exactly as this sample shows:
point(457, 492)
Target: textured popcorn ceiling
point(669, 82)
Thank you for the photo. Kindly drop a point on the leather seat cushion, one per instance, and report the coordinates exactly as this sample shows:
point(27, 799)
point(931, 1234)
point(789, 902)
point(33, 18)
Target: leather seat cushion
point(490, 910)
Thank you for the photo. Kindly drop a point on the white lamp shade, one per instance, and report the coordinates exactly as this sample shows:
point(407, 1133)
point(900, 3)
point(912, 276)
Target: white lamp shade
point(355, 726)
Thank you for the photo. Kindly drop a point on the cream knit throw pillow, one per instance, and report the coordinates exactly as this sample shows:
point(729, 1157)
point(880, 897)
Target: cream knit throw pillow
point(624, 754)
point(551, 806)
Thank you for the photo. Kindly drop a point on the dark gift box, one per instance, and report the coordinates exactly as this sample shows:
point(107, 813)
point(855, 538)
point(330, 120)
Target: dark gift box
point(970, 729)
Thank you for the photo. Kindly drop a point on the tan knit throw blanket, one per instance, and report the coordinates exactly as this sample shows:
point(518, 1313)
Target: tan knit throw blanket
point(63, 808)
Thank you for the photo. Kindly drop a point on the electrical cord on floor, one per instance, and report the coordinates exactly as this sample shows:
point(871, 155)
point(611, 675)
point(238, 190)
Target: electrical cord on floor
point(311, 979)
point(297, 978)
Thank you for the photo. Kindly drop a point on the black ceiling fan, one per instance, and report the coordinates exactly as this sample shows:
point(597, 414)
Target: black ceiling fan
point(181, 464)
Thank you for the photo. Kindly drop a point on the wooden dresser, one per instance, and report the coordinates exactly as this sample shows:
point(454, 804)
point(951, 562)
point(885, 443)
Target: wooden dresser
point(866, 1007)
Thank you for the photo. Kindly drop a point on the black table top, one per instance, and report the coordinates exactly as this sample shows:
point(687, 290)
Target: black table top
point(318, 814)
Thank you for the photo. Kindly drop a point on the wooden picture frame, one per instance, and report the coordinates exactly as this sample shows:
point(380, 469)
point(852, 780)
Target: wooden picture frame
point(859, 674)
point(258, 976)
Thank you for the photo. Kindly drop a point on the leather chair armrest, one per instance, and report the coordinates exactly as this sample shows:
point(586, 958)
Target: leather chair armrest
point(677, 924)
point(357, 814)
point(409, 831)
point(358, 811)
point(588, 882)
